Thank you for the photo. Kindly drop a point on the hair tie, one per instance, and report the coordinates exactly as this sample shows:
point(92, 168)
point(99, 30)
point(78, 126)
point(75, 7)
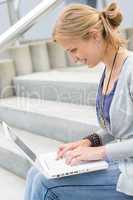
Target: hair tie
point(110, 13)
point(102, 14)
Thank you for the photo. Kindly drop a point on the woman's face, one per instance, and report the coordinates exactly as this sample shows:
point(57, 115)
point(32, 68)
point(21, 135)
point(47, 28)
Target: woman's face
point(89, 52)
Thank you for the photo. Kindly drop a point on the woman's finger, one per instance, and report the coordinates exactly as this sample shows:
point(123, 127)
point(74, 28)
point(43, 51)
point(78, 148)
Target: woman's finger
point(71, 155)
point(68, 157)
point(61, 147)
point(66, 149)
point(63, 152)
point(75, 161)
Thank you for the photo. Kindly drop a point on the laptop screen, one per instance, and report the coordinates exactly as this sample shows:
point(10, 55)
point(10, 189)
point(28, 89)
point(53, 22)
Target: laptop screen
point(20, 143)
point(25, 149)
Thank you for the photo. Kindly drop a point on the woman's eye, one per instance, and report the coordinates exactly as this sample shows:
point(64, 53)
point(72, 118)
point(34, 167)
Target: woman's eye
point(73, 50)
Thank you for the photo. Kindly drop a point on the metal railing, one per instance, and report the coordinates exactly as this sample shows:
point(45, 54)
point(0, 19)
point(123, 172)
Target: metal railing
point(13, 10)
point(26, 22)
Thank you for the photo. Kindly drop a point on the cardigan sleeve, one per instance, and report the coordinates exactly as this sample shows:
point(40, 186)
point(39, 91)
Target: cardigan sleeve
point(105, 137)
point(120, 150)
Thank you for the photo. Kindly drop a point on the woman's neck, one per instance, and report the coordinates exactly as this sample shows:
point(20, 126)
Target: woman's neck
point(109, 57)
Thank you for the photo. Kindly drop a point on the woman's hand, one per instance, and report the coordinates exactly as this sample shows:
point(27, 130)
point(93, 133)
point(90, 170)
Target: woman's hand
point(64, 148)
point(84, 153)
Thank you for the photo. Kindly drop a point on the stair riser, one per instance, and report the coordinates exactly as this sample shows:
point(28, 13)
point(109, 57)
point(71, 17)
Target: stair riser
point(39, 56)
point(22, 58)
point(14, 163)
point(55, 128)
point(77, 93)
point(57, 55)
point(5, 55)
point(7, 73)
point(129, 32)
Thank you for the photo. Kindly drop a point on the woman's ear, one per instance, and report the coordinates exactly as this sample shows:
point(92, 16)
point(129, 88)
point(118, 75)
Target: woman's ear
point(95, 35)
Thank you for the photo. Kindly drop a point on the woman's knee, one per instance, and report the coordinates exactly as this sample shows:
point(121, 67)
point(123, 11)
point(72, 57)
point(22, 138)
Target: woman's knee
point(36, 178)
point(39, 186)
point(32, 173)
point(40, 180)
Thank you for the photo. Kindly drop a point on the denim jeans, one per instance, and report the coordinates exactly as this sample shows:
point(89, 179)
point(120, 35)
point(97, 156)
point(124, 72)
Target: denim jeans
point(99, 185)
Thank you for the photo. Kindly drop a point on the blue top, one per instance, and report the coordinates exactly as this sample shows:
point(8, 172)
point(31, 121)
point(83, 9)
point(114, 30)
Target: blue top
point(107, 101)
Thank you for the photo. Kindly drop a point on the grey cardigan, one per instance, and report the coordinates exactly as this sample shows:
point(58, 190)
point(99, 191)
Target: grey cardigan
point(121, 119)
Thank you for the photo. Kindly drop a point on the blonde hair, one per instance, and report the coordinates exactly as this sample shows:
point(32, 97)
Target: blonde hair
point(77, 20)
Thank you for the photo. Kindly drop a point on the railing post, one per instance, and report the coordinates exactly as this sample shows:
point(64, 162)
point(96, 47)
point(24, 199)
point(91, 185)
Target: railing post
point(13, 15)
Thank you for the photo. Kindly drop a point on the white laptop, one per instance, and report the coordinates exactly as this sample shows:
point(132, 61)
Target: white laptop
point(47, 163)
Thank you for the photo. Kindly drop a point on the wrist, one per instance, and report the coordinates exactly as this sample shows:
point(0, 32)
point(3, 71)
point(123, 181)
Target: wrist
point(102, 152)
point(94, 139)
point(87, 142)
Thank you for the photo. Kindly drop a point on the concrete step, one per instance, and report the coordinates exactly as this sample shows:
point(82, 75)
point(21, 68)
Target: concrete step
point(11, 186)
point(61, 121)
point(7, 72)
point(22, 58)
point(14, 160)
point(76, 85)
point(4, 55)
point(47, 55)
point(39, 56)
point(57, 55)
point(129, 33)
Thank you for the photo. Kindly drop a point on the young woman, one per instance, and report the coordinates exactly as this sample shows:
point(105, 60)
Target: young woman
point(92, 37)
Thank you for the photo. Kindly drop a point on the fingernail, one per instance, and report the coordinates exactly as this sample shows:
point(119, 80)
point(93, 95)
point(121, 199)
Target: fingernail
point(58, 157)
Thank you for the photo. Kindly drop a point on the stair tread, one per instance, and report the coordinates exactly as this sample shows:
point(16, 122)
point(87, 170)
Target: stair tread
point(75, 74)
point(39, 144)
point(80, 113)
point(11, 186)
point(5, 60)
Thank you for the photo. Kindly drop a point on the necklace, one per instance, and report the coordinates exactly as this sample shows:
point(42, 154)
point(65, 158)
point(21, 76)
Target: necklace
point(102, 119)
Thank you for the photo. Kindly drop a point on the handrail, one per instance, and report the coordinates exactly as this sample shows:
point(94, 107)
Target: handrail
point(26, 22)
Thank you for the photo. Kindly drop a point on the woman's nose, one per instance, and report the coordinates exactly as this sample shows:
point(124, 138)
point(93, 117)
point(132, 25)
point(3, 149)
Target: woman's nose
point(75, 58)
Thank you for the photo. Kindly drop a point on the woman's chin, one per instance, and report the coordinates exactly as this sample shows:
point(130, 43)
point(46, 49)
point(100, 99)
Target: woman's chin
point(91, 66)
